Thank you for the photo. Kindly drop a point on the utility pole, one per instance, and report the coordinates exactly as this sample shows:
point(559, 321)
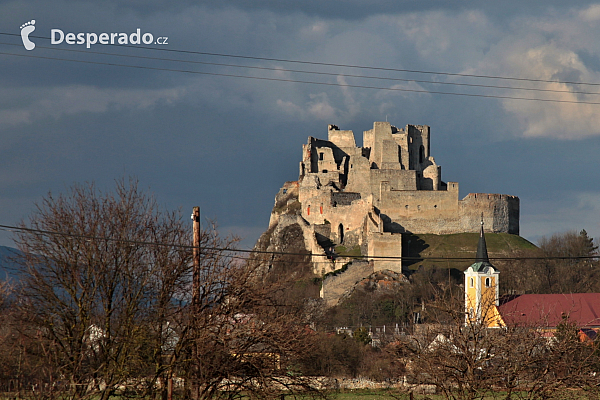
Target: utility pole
point(196, 255)
point(195, 387)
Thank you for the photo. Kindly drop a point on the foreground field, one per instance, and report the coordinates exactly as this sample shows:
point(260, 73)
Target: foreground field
point(386, 394)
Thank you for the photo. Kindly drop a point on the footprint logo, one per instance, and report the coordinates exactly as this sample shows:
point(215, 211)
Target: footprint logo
point(26, 29)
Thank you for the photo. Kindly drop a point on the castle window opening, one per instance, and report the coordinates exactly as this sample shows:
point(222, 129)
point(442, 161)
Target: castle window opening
point(341, 233)
point(406, 206)
point(435, 206)
point(284, 191)
point(471, 282)
point(487, 282)
point(325, 171)
point(320, 156)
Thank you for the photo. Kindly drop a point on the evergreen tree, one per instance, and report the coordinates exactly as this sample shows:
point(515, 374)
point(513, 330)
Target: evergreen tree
point(587, 244)
point(361, 335)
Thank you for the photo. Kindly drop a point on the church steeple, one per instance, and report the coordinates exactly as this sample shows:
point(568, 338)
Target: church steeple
point(481, 286)
point(482, 254)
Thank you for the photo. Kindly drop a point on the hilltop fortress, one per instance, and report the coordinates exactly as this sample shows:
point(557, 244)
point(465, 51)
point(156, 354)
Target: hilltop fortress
point(365, 198)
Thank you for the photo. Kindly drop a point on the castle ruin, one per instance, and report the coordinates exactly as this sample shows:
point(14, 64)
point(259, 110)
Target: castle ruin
point(367, 197)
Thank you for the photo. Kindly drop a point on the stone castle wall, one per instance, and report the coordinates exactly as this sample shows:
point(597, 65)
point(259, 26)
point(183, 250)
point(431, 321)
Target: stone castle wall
point(441, 212)
point(334, 286)
point(386, 244)
point(369, 196)
point(394, 177)
point(501, 212)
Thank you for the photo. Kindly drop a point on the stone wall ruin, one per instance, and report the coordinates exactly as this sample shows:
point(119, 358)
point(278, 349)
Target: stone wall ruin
point(367, 197)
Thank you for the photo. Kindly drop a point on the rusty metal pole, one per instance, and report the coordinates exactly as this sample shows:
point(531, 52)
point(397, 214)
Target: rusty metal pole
point(195, 387)
point(170, 389)
point(196, 270)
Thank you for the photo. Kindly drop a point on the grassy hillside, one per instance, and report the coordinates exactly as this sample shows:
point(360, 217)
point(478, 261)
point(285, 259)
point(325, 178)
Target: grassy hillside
point(459, 245)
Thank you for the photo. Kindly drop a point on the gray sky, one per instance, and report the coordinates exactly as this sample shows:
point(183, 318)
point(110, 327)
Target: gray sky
point(228, 144)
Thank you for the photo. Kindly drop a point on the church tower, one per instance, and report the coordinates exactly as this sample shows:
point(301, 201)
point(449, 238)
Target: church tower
point(481, 287)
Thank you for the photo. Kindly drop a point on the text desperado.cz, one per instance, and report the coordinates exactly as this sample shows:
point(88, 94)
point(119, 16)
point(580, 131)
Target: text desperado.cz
point(57, 36)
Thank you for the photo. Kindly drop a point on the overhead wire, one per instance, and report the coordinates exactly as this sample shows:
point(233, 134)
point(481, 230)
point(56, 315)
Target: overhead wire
point(305, 82)
point(278, 69)
point(235, 250)
point(324, 73)
point(339, 65)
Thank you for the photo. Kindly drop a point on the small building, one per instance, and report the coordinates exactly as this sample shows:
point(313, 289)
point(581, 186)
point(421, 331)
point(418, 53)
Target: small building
point(483, 303)
point(482, 288)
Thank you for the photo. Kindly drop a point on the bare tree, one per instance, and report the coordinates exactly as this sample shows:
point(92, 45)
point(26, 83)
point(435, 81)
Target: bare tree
point(105, 304)
point(563, 263)
point(249, 337)
point(471, 361)
point(98, 296)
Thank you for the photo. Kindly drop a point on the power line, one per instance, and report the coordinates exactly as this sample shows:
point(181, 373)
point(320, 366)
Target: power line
point(339, 65)
point(307, 72)
point(226, 249)
point(305, 82)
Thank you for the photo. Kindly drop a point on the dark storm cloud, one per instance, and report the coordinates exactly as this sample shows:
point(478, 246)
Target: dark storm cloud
point(348, 9)
point(228, 144)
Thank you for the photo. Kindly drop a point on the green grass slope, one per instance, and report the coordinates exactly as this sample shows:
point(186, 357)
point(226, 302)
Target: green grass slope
point(459, 245)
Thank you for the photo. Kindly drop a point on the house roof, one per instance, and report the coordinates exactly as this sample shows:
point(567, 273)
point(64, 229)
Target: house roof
point(547, 310)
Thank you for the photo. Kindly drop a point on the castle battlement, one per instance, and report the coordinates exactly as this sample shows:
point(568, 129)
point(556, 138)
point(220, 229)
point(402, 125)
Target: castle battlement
point(490, 196)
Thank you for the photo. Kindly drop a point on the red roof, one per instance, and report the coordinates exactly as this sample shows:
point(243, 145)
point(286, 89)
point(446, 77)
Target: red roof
point(547, 310)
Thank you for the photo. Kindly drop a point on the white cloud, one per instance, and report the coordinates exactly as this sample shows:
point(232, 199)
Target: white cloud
point(314, 30)
point(404, 89)
point(567, 120)
point(56, 102)
point(548, 48)
point(289, 107)
point(591, 13)
point(319, 105)
point(352, 105)
point(320, 108)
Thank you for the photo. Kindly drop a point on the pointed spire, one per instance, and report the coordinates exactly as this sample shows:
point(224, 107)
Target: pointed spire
point(482, 254)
